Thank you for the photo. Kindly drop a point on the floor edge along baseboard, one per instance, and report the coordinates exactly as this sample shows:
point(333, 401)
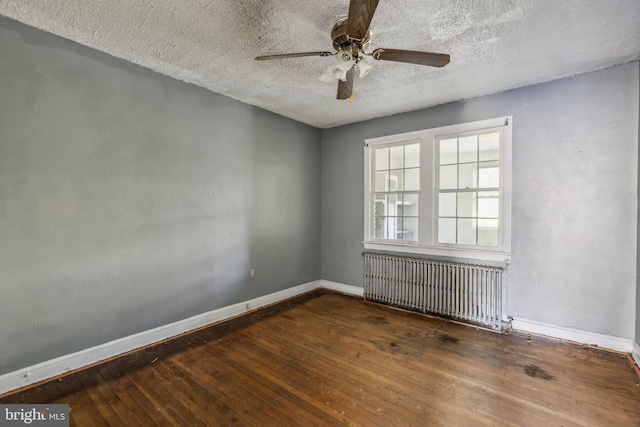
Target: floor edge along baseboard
point(65, 364)
point(607, 342)
point(62, 365)
point(636, 353)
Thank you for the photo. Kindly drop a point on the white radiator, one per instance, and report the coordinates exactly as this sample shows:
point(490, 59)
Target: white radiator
point(467, 292)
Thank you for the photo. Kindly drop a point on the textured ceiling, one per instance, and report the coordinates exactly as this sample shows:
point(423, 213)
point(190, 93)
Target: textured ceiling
point(495, 45)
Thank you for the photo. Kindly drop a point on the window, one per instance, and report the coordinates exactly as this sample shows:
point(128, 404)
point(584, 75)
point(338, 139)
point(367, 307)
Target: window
point(469, 188)
point(396, 192)
point(443, 191)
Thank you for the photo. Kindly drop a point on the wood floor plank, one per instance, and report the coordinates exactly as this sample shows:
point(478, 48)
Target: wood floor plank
point(466, 366)
point(247, 377)
point(298, 395)
point(315, 346)
point(117, 390)
point(384, 387)
point(201, 403)
point(230, 393)
point(162, 396)
point(256, 408)
point(326, 359)
point(70, 391)
point(108, 415)
point(317, 387)
point(264, 407)
point(139, 392)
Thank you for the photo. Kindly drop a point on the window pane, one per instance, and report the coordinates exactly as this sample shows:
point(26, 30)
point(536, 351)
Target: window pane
point(468, 176)
point(392, 205)
point(379, 227)
point(468, 149)
point(488, 204)
point(467, 231)
point(489, 175)
point(412, 179)
point(410, 205)
point(395, 180)
point(394, 228)
point(447, 230)
point(412, 156)
point(449, 177)
point(447, 204)
point(488, 232)
point(410, 229)
point(380, 203)
point(490, 146)
point(382, 159)
point(382, 183)
point(396, 155)
point(448, 151)
point(467, 204)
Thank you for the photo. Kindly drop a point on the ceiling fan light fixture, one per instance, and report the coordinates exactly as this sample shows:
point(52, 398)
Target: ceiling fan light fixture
point(344, 60)
point(364, 67)
point(340, 74)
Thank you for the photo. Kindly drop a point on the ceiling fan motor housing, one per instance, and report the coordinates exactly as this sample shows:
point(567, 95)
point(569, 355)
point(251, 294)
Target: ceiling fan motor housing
point(341, 41)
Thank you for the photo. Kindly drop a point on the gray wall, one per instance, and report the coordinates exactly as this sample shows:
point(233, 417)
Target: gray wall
point(638, 232)
point(129, 200)
point(575, 167)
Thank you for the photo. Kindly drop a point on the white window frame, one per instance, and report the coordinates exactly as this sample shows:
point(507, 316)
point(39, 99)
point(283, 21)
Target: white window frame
point(428, 200)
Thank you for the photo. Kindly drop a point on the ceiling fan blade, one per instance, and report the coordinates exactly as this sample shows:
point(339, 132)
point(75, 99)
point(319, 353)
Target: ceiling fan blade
point(359, 18)
point(292, 55)
point(345, 88)
point(412, 57)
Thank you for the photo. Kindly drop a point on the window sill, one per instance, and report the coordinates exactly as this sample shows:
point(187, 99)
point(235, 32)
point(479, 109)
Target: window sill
point(504, 257)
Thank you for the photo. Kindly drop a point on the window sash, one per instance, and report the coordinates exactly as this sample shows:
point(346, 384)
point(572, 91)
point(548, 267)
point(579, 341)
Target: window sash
point(392, 219)
point(452, 230)
point(427, 241)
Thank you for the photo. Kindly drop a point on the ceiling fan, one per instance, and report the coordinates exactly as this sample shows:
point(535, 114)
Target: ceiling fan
point(351, 38)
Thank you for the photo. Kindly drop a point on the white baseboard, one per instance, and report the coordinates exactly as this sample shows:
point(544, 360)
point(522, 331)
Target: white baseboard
point(70, 362)
point(550, 330)
point(584, 337)
point(64, 364)
point(636, 353)
point(341, 287)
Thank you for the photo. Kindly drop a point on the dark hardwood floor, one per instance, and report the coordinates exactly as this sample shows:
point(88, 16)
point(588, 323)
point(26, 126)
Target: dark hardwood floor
point(330, 359)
